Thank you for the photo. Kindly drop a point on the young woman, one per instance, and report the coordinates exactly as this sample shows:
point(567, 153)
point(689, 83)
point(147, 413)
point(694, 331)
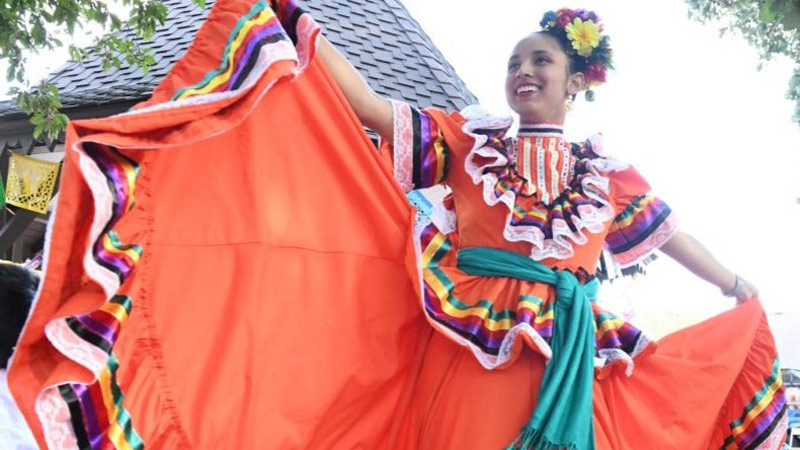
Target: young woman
point(311, 309)
point(527, 218)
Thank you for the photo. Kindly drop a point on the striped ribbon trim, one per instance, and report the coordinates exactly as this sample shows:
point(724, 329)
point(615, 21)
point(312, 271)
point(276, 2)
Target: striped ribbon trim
point(761, 414)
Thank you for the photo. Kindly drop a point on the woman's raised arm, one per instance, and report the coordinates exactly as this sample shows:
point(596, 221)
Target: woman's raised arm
point(372, 110)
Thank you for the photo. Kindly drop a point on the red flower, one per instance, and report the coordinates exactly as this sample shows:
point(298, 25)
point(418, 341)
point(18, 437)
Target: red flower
point(565, 17)
point(595, 73)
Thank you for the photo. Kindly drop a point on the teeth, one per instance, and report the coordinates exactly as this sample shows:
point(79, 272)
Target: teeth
point(527, 88)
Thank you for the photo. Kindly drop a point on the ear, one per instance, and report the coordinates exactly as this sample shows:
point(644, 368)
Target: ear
point(576, 83)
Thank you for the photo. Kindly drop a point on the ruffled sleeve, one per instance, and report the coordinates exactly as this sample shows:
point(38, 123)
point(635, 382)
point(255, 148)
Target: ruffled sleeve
point(643, 222)
point(420, 153)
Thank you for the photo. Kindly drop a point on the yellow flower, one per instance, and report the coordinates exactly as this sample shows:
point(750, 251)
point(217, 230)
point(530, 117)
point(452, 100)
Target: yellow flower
point(585, 36)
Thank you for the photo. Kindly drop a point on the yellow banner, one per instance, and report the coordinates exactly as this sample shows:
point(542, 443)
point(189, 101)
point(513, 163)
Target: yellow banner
point(30, 182)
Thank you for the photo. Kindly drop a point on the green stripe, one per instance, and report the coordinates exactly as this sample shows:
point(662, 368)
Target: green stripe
point(114, 238)
point(257, 8)
point(775, 375)
point(124, 301)
point(457, 304)
point(488, 304)
point(629, 210)
point(123, 418)
point(440, 252)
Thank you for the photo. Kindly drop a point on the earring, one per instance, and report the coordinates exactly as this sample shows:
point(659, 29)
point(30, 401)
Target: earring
point(569, 104)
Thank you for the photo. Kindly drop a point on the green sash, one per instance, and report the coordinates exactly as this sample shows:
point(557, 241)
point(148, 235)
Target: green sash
point(562, 418)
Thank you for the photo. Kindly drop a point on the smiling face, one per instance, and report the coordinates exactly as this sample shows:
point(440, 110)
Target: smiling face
point(538, 81)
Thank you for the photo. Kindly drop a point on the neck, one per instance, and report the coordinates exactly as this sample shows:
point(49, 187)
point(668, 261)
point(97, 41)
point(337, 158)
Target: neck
point(540, 129)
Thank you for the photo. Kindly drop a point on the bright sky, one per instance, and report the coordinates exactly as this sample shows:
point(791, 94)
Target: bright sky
point(689, 109)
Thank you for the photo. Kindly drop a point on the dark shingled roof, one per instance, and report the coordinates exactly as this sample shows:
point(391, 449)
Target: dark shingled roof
point(378, 36)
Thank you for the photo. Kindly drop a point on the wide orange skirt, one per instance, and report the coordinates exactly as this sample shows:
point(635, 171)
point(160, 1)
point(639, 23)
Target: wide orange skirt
point(231, 266)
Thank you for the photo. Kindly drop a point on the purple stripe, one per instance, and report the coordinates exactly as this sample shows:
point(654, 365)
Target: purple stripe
point(99, 329)
point(425, 150)
point(118, 262)
point(288, 9)
point(117, 181)
point(641, 222)
point(254, 40)
point(763, 422)
point(89, 414)
point(478, 330)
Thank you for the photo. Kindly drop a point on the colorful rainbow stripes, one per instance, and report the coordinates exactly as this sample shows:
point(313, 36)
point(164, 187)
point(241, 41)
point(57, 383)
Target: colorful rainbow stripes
point(485, 327)
point(430, 151)
point(633, 226)
point(761, 414)
point(258, 28)
point(98, 417)
point(613, 332)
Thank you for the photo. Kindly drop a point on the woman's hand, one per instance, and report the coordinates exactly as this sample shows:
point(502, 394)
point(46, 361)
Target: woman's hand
point(743, 290)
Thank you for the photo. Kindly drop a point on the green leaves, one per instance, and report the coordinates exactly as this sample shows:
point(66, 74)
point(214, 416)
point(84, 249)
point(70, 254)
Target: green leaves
point(27, 26)
point(771, 26)
point(42, 105)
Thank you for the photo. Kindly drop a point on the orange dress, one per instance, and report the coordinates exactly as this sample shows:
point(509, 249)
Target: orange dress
point(232, 265)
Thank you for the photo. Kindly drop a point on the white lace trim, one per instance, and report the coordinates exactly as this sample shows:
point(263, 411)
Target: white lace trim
point(486, 360)
point(444, 219)
point(653, 242)
point(596, 143)
point(53, 412)
point(51, 409)
point(308, 34)
point(778, 436)
point(72, 346)
point(403, 145)
point(103, 207)
point(560, 246)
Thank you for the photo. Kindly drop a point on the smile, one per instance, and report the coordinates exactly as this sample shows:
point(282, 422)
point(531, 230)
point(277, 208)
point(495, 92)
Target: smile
point(529, 89)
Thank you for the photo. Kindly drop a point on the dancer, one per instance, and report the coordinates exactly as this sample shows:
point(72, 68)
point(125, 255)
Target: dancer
point(311, 309)
point(510, 262)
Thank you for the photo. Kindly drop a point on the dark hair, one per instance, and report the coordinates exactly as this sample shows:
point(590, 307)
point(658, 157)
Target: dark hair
point(17, 288)
point(576, 63)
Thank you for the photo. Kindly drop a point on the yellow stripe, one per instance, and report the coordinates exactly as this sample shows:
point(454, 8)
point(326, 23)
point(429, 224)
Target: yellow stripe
point(610, 324)
point(223, 77)
point(636, 210)
point(478, 311)
point(109, 246)
point(115, 432)
point(130, 175)
point(432, 248)
point(759, 407)
point(440, 158)
point(116, 310)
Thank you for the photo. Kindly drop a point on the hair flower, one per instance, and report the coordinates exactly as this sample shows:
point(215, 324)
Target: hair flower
point(565, 17)
point(580, 34)
point(584, 36)
point(550, 18)
point(595, 74)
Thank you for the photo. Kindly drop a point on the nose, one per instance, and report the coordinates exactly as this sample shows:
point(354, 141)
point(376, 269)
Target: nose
point(525, 70)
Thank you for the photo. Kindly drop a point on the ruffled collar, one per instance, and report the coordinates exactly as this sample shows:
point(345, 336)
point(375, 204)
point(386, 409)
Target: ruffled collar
point(552, 227)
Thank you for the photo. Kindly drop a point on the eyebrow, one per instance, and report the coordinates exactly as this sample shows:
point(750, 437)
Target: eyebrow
point(535, 52)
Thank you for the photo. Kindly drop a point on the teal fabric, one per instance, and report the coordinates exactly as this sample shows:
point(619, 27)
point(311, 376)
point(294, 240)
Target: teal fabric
point(562, 418)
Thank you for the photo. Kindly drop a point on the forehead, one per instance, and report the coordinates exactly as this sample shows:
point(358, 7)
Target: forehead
point(536, 42)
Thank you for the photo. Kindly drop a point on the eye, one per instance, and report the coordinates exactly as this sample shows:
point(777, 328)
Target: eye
point(513, 66)
point(541, 61)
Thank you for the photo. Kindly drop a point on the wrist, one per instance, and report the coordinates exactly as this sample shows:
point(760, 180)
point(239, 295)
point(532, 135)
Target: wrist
point(735, 288)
